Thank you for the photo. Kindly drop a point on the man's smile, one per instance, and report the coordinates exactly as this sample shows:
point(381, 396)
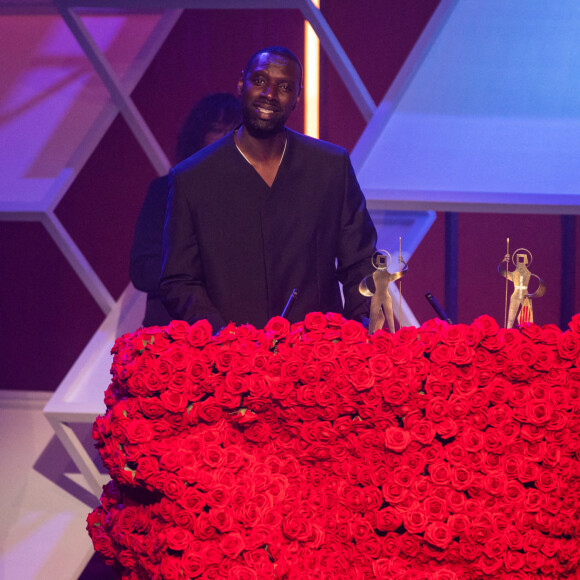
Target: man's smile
point(265, 109)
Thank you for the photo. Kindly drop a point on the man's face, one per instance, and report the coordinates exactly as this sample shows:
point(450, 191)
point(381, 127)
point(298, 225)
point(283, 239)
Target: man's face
point(269, 90)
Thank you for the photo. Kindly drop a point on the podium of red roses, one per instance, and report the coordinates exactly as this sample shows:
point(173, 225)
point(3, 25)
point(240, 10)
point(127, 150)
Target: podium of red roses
point(314, 450)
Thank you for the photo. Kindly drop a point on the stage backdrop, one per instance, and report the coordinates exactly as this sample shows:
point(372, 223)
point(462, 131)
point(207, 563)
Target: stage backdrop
point(47, 314)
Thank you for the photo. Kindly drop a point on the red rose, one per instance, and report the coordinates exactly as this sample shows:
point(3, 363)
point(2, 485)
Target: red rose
point(193, 500)
point(447, 428)
point(456, 502)
point(199, 334)
point(199, 369)
point(177, 538)
point(192, 563)
point(138, 431)
point(382, 568)
point(533, 500)
point(410, 545)
point(535, 433)
point(156, 342)
point(173, 401)
point(151, 407)
point(380, 365)
point(490, 566)
point(224, 397)
point(102, 544)
point(296, 527)
point(550, 546)
point(415, 521)
point(335, 319)
point(213, 456)
point(473, 440)
point(178, 356)
point(495, 483)
point(458, 407)
point(362, 379)
point(550, 334)
point(436, 508)
point(434, 452)
point(391, 545)
point(463, 354)
point(435, 387)
point(209, 411)
point(444, 574)
point(277, 327)
point(465, 387)
point(204, 530)
point(458, 523)
point(461, 478)
point(538, 411)
point(395, 393)
point(146, 467)
point(442, 354)
point(482, 358)
point(438, 534)
point(388, 519)
point(396, 439)
point(551, 455)
point(281, 389)
point(258, 431)
point(480, 531)
point(437, 409)
point(126, 519)
point(352, 332)
point(423, 431)
point(469, 550)
point(440, 473)
point(543, 521)
point(513, 560)
point(315, 321)
point(558, 421)
point(393, 492)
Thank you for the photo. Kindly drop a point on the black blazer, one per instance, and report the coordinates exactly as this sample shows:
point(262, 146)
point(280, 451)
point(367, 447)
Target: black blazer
point(234, 248)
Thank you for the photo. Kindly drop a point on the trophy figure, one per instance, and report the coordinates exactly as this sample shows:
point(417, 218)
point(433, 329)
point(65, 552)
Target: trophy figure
point(377, 286)
point(520, 304)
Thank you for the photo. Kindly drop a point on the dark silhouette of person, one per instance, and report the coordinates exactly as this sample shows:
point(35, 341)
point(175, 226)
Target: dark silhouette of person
point(210, 119)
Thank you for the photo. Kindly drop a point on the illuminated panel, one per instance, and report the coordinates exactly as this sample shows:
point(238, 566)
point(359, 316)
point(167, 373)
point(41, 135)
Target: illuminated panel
point(51, 92)
point(311, 78)
point(491, 119)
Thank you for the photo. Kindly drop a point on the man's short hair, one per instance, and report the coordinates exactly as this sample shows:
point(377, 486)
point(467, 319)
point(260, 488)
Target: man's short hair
point(278, 50)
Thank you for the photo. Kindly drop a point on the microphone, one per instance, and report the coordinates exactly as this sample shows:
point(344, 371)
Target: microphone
point(290, 303)
point(437, 308)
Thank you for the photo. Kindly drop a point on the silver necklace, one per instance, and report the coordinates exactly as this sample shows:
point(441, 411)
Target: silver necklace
point(242, 153)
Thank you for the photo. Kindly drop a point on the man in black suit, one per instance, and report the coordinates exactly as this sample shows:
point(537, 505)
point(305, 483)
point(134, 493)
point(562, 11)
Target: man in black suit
point(263, 211)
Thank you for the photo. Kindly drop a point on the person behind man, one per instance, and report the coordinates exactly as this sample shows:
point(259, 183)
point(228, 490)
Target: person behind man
point(209, 120)
point(264, 211)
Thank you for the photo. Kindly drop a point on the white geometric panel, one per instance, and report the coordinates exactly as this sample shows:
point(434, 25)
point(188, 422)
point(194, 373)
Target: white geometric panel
point(53, 106)
point(488, 116)
point(54, 109)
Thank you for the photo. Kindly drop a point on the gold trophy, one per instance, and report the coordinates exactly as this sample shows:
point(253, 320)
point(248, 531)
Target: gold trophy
point(376, 285)
point(520, 304)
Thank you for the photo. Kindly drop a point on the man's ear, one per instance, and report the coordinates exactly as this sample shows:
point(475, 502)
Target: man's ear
point(240, 84)
point(297, 98)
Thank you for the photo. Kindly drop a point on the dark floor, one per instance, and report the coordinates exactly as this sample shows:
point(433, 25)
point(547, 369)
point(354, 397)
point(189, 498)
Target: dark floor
point(96, 569)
